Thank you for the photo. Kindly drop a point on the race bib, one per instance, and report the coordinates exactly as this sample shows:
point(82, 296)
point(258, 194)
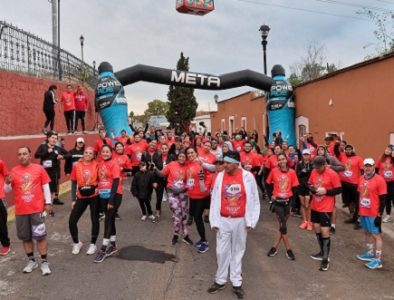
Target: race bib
point(38, 231)
point(105, 193)
point(387, 174)
point(190, 182)
point(47, 164)
point(139, 155)
point(348, 173)
point(365, 202)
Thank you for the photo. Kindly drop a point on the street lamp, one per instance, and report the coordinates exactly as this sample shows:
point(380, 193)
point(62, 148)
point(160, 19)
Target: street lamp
point(264, 30)
point(82, 40)
point(94, 67)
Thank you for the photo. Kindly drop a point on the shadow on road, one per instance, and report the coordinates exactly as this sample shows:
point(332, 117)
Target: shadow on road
point(144, 254)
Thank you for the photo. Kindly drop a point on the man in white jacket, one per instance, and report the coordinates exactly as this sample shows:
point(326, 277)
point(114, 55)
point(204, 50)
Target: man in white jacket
point(235, 209)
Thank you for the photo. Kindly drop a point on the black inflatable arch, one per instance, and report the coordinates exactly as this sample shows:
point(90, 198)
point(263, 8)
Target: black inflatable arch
point(194, 80)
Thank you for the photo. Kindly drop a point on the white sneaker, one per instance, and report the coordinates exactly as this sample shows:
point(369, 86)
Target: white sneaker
point(152, 218)
point(45, 268)
point(77, 248)
point(31, 265)
point(386, 219)
point(92, 249)
point(143, 218)
point(164, 197)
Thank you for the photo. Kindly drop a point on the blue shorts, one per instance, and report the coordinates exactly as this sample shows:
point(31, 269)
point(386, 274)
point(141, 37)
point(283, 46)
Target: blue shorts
point(367, 223)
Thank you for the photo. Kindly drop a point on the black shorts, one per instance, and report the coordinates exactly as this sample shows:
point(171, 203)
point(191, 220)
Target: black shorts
point(207, 202)
point(30, 227)
point(322, 218)
point(303, 190)
point(349, 193)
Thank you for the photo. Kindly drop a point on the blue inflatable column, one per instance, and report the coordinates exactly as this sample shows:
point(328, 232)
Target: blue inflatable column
point(281, 106)
point(111, 102)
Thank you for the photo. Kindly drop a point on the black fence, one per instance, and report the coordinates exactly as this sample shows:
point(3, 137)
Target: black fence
point(21, 51)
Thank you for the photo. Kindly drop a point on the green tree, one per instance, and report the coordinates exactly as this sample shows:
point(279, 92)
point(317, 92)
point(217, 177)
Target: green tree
point(156, 108)
point(182, 103)
point(131, 114)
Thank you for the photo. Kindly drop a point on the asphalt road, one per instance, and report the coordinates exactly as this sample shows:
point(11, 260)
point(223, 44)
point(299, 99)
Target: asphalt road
point(148, 267)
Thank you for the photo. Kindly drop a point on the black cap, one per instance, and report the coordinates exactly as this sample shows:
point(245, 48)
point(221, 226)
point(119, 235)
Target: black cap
point(319, 161)
point(278, 70)
point(105, 67)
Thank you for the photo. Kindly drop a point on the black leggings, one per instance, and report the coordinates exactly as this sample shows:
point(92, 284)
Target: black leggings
point(77, 212)
point(4, 239)
point(70, 119)
point(50, 118)
point(159, 194)
point(80, 115)
point(350, 195)
point(196, 210)
point(282, 211)
point(110, 214)
point(145, 206)
point(389, 196)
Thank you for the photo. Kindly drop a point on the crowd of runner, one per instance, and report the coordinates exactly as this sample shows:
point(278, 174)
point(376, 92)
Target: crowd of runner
point(206, 178)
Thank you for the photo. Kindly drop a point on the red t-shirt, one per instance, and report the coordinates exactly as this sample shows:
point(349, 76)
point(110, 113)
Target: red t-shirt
point(330, 148)
point(312, 149)
point(283, 182)
point(107, 172)
point(27, 184)
point(135, 151)
point(353, 166)
point(193, 182)
point(121, 139)
point(81, 102)
point(272, 162)
point(370, 190)
point(176, 175)
point(68, 101)
point(386, 169)
point(99, 143)
point(85, 174)
point(329, 180)
point(233, 203)
point(238, 145)
point(123, 161)
point(249, 159)
point(209, 157)
point(3, 173)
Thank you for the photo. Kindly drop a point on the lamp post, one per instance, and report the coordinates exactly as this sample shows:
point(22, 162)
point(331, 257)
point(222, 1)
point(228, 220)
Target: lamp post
point(264, 30)
point(82, 40)
point(94, 68)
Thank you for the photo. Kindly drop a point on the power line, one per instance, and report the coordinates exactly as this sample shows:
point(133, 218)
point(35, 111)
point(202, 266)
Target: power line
point(349, 4)
point(303, 9)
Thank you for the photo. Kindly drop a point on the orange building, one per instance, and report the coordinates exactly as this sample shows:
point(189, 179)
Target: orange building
point(246, 110)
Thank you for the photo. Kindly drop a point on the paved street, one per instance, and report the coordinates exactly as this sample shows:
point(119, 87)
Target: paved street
point(148, 267)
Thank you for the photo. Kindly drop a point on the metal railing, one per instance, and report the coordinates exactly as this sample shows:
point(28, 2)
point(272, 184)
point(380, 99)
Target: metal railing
point(21, 51)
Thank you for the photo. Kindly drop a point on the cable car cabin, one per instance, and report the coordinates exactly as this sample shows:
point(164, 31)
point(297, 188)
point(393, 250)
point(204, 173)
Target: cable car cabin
point(195, 7)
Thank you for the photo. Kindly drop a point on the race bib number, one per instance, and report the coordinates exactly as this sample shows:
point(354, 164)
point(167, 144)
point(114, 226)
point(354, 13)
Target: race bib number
point(388, 174)
point(47, 164)
point(105, 193)
point(348, 173)
point(365, 203)
point(139, 155)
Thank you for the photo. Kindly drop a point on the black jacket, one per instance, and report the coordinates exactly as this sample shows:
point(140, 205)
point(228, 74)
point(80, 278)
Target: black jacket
point(302, 176)
point(72, 157)
point(49, 101)
point(49, 160)
point(142, 185)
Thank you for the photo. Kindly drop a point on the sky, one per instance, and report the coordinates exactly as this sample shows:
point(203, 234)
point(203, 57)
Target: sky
point(152, 32)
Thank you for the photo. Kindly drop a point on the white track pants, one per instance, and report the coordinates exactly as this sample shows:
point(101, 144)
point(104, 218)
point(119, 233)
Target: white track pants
point(230, 248)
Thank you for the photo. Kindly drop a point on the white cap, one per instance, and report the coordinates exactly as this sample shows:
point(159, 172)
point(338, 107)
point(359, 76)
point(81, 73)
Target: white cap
point(369, 161)
point(80, 140)
point(306, 151)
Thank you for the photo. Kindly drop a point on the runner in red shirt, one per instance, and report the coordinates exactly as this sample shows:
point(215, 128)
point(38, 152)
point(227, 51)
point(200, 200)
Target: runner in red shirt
point(123, 138)
point(102, 141)
point(249, 159)
point(4, 238)
point(81, 107)
point(238, 143)
point(349, 178)
point(110, 193)
point(372, 189)
point(84, 193)
point(385, 167)
point(135, 151)
point(284, 181)
point(324, 184)
point(122, 160)
point(68, 101)
point(32, 196)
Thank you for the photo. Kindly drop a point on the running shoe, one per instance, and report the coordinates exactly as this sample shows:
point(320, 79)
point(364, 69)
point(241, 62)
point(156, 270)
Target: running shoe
point(152, 218)
point(143, 218)
point(374, 264)
point(203, 247)
point(111, 249)
point(386, 219)
point(273, 251)
point(215, 287)
point(174, 239)
point(290, 255)
point(199, 243)
point(317, 256)
point(366, 256)
point(239, 292)
point(31, 265)
point(100, 256)
point(324, 266)
point(309, 227)
point(5, 251)
point(45, 270)
point(187, 240)
point(157, 217)
point(332, 229)
point(56, 201)
point(303, 225)
point(92, 249)
point(77, 248)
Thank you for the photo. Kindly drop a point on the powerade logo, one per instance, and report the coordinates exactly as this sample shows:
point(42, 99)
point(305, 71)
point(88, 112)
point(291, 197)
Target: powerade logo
point(109, 91)
point(281, 88)
point(107, 86)
point(195, 79)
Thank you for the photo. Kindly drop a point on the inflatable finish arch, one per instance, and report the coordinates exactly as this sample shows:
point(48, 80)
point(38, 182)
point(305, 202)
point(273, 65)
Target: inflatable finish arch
point(111, 102)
